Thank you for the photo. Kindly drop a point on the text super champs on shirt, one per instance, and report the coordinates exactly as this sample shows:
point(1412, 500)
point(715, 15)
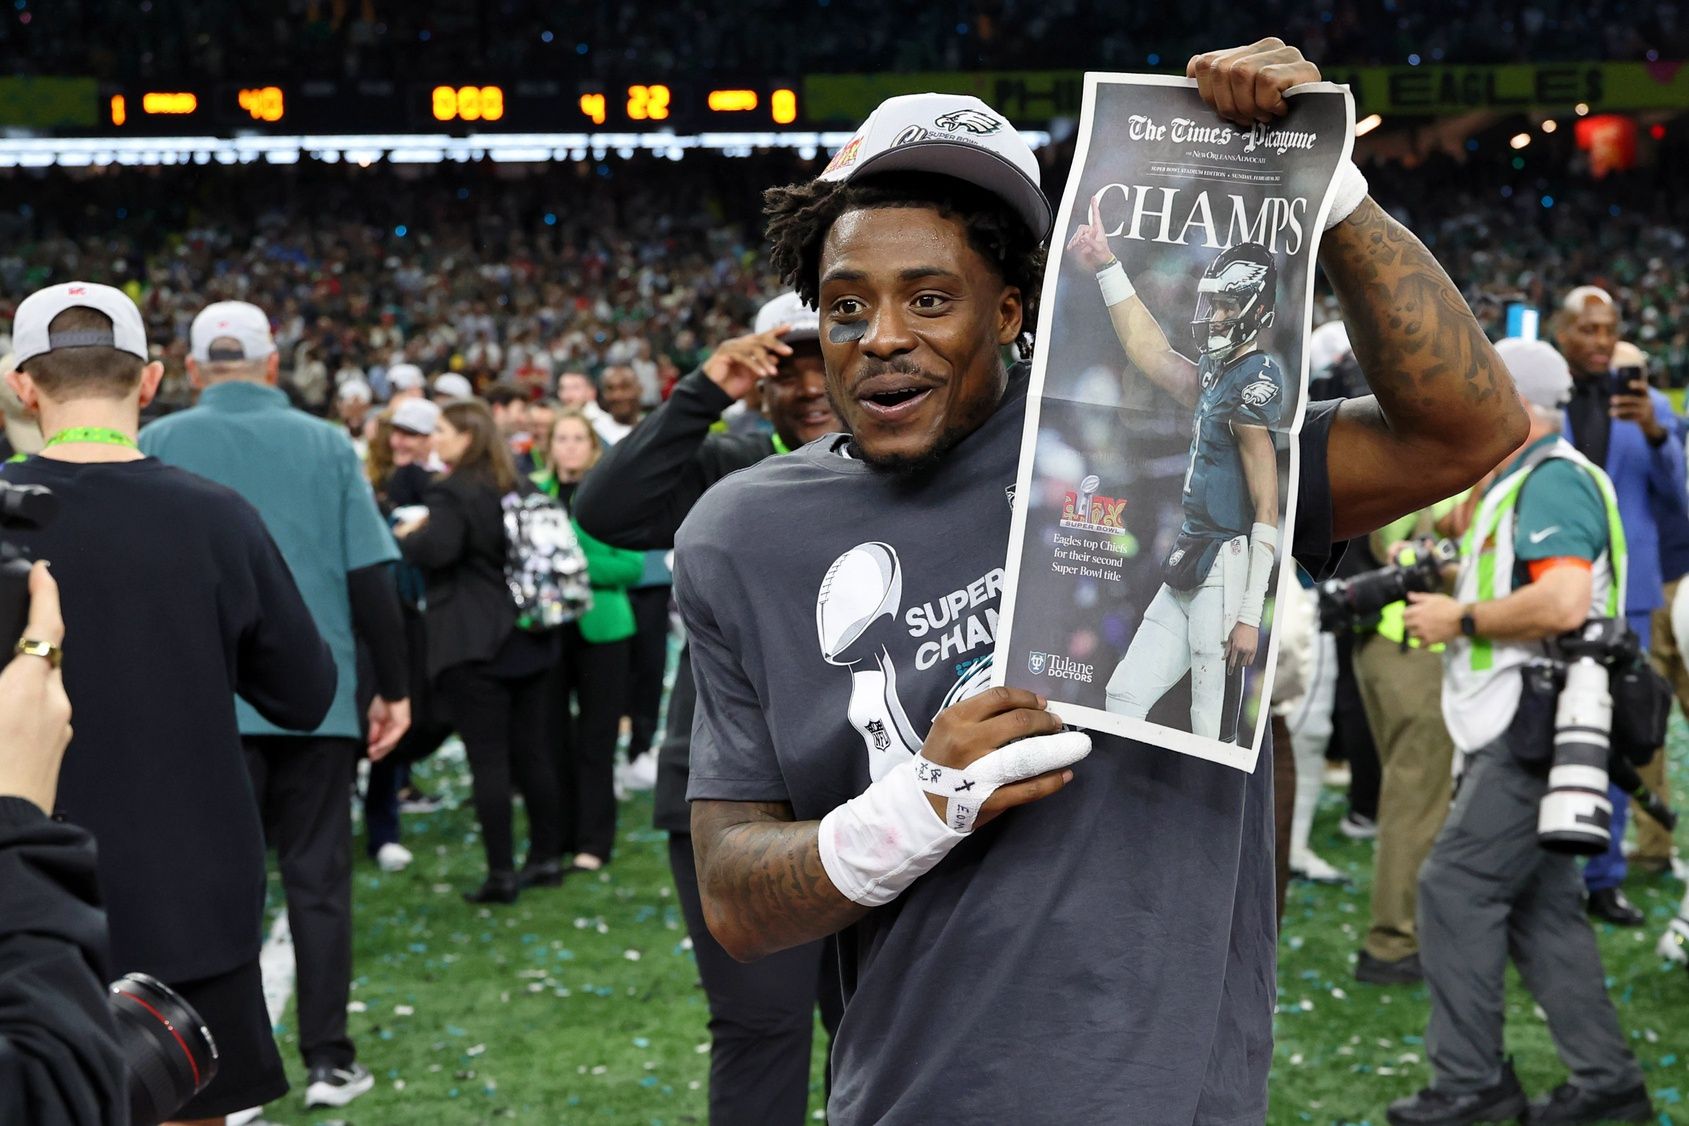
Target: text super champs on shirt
point(906, 582)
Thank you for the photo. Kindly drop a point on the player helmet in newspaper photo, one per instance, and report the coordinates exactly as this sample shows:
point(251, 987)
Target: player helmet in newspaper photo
point(1235, 300)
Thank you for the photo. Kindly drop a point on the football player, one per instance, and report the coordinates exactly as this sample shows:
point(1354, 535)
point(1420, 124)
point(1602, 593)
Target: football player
point(1206, 618)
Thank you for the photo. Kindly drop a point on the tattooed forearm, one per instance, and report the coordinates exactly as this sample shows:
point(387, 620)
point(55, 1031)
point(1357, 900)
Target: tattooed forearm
point(1445, 410)
point(760, 876)
point(1412, 332)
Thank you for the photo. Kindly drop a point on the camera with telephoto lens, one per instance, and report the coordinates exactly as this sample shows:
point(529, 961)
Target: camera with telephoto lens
point(1609, 714)
point(21, 506)
point(1347, 603)
point(170, 1054)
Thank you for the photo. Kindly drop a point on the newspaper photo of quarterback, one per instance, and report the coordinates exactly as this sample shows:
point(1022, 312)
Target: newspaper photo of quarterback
point(1206, 618)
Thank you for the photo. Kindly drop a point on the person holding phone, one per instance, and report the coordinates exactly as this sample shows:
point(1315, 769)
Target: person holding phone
point(1617, 421)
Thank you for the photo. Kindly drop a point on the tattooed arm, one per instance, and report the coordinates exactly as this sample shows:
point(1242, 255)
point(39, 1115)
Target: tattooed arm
point(761, 877)
point(1443, 410)
point(761, 880)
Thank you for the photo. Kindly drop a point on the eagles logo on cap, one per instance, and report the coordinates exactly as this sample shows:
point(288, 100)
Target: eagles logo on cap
point(949, 135)
point(974, 121)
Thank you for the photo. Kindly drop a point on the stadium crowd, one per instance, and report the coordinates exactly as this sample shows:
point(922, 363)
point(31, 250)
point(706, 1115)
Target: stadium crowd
point(519, 276)
point(380, 39)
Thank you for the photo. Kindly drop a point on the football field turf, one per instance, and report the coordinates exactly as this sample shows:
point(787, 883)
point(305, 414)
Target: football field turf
point(581, 1005)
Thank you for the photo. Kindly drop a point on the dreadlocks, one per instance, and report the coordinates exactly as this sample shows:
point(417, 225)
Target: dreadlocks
point(800, 215)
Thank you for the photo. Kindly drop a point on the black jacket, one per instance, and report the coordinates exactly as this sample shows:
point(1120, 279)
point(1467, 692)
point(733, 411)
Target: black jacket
point(637, 497)
point(59, 1059)
point(460, 552)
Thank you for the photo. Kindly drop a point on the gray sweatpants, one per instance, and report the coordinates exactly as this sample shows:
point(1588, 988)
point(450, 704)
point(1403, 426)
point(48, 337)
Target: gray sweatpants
point(1488, 891)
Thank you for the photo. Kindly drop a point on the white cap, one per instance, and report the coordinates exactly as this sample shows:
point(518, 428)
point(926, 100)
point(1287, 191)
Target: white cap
point(246, 325)
point(1328, 344)
point(405, 377)
point(1578, 300)
point(355, 388)
point(29, 324)
point(1539, 372)
point(418, 416)
point(453, 386)
point(953, 135)
point(789, 309)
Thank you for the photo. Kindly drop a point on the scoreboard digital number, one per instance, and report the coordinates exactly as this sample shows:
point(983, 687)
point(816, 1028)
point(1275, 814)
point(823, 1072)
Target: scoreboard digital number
point(384, 107)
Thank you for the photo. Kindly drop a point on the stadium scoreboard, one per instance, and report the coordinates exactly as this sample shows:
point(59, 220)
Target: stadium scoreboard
point(411, 107)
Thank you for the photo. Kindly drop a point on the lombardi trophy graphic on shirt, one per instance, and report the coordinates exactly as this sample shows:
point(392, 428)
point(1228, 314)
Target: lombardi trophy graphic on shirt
point(862, 586)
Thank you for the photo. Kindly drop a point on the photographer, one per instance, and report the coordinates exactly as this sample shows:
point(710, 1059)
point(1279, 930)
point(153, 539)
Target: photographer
point(1545, 552)
point(59, 1057)
point(186, 602)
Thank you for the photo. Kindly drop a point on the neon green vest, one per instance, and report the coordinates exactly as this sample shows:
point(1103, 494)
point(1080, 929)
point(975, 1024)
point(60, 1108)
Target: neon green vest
point(1487, 558)
point(1390, 618)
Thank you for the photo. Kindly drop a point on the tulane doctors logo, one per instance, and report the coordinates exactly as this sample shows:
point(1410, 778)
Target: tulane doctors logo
point(1060, 667)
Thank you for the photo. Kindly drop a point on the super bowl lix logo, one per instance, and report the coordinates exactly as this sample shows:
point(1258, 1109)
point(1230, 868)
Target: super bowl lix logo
point(1085, 511)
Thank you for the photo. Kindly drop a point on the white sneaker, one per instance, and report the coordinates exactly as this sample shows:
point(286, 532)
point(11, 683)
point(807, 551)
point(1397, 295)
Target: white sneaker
point(337, 1086)
point(640, 775)
point(1674, 943)
point(393, 857)
point(242, 1117)
point(1307, 865)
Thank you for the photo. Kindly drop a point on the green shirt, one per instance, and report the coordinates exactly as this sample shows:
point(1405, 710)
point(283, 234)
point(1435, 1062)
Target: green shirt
point(305, 479)
point(1560, 514)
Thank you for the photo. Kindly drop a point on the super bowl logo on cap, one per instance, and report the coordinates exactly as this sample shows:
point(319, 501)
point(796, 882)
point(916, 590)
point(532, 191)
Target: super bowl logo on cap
point(909, 136)
point(977, 122)
point(845, 157)
point(77, 291)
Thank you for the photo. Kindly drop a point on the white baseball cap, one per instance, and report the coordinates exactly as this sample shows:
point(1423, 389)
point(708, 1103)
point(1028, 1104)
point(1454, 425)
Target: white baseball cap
point(1539, 372)
point(453, 386)
point(355, 388)
point(953, 135)
point(1328, 344)
point(30, 337)
point(246, 326)
point(405, 377)
point(418, 416)
point(789, 309)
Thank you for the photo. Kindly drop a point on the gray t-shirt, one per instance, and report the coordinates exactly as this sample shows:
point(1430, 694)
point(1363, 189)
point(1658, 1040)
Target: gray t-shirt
point(1104, 955)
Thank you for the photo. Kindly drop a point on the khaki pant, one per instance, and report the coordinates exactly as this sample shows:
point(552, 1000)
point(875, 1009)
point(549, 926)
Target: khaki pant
point(1652, 840)
point(1402, 691)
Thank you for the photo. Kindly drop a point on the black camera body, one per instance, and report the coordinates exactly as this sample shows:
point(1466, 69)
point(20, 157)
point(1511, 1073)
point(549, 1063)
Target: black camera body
point(21, 506)
point(1345, 604)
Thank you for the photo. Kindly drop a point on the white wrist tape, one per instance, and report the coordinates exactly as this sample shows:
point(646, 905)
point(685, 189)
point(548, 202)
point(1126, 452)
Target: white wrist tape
point(1263, 546)
point(1346, 194)
point(881, 841)
point(1116, 286)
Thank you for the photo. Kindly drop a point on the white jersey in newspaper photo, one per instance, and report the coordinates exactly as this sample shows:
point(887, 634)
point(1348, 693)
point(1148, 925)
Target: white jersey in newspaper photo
point(1156, 492)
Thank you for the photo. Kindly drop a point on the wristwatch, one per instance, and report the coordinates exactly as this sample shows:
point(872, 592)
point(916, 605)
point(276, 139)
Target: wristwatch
point(1468, 624)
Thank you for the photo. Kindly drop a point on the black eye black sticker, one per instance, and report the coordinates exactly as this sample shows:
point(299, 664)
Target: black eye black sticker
point(847, 333)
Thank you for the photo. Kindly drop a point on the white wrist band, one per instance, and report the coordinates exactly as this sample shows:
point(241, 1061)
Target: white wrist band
point(1347, 191)
point(878, 843)
point(1263, 546)
point(1116, 286)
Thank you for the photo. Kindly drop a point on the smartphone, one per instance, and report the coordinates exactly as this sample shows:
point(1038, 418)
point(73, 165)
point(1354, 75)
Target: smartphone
point(1624, 380)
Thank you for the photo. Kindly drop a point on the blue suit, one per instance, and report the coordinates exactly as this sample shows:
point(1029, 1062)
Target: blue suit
point(1654, 508)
